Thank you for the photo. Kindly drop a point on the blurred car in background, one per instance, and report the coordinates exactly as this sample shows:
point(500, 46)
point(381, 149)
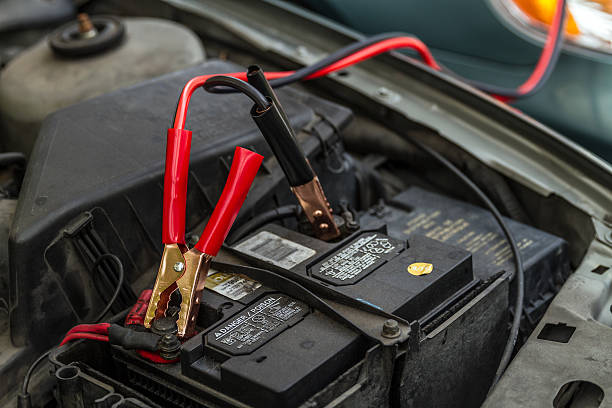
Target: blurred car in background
point(499, 41)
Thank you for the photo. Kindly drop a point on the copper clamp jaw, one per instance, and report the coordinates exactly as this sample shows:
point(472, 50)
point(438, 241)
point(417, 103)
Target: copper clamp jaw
point(317, 209)
point(186, 269)
point(276, 129)
point(183, 271)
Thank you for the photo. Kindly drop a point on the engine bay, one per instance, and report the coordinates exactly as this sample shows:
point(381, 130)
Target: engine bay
point(363, 268)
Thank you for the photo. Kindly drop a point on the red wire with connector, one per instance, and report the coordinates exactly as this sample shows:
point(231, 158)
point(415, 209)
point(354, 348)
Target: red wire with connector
point(121, 336)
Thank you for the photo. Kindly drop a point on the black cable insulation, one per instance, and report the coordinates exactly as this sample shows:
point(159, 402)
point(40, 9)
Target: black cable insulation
point(332, 58)
point(281, 139)
point(238, 85)
point(26, 379)
point(343, 52)
point(519, 272)
point(120, 281)
point(8, 158)
point(514, 93)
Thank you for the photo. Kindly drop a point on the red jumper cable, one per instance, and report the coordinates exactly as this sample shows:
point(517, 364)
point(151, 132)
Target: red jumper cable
point(183, 268)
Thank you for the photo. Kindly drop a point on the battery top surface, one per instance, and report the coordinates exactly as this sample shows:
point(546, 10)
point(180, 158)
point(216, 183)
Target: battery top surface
point(420, 212)
point(406, 279)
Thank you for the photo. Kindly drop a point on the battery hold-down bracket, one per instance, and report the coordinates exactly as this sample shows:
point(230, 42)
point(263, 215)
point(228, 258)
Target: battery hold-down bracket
point(362, 317)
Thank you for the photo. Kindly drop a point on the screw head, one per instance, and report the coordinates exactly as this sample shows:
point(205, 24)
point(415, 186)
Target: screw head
point(391, 329)
point(382, 91)
point(317, 213)
point(323, 226)
point(179, 267)
point(302, 51)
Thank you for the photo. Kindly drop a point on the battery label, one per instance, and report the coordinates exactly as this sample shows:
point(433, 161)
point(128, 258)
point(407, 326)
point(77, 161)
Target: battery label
point(459, 231)
point(357, 259)
point(273, 249)
point(231, 285)
point(247, 331)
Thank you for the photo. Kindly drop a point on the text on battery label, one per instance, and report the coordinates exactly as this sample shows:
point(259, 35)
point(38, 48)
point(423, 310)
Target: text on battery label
point(357, 257)
point(231, 285)
point(278, 251)
point(259, 323)
point(457, 231)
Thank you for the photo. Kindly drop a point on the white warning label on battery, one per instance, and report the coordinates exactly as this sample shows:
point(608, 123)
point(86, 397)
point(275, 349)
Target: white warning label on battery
point(231, 285)
point(275, 250)
point(360, 257)
point(257, 324)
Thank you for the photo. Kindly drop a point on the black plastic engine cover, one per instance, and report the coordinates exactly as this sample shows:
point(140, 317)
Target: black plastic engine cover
point(105, 157)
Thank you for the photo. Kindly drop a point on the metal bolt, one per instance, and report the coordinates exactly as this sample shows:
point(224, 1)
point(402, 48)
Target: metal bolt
point(179, 267)
point(352, 225)
point(323, 226)
point(317, 213)
point(169, 347)
point(391, 329)
point(388, 95)
point(86, 27)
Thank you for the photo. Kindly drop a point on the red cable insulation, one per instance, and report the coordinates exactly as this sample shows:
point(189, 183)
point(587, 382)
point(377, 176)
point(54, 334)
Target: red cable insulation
point(89, 336)
point(175, 186)
point(99, 328)
point(547, 52)
point(99, 332)
point(545, 57)
point(379, 48)
point(242, 173)
point(136, 315)
point(368, 52)
point(155, 357)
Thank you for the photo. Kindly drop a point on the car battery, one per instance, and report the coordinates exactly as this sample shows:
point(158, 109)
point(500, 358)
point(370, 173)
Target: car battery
point(276, 351)
point(410, 280)
point(261, 347)
point(418, 212)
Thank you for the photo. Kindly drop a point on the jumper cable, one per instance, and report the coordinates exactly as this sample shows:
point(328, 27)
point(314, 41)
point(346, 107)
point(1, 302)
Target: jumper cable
point(183, 268)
